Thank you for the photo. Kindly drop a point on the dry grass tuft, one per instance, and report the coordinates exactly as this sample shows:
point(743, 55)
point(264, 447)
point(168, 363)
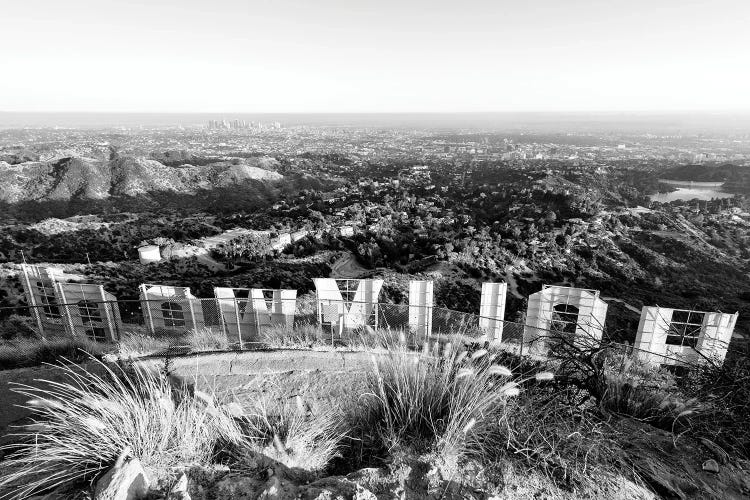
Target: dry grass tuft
point(289, 433)
point(449, 403)
point(81, 426)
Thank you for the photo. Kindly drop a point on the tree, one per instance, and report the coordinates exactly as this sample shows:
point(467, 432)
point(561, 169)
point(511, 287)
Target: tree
point(250, 247)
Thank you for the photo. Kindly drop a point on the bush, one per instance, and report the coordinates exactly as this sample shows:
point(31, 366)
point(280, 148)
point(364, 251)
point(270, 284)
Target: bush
point(620, 383)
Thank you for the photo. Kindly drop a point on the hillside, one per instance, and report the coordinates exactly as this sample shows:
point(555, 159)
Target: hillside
point(736, 177)
point(82, 178)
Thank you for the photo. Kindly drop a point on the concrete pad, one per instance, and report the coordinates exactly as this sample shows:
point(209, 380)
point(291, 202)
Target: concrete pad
point(320, 378)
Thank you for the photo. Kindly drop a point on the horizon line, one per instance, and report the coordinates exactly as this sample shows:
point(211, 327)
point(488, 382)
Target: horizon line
point(575, 112)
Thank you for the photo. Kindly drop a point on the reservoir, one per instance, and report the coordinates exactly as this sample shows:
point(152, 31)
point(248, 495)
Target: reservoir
point(690, 190)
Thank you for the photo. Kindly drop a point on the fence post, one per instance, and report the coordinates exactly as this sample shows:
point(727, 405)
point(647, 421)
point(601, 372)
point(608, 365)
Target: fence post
point(146, 309)
point(32, 301)
point(239, 323)
point(191, 306)
point(222, 324)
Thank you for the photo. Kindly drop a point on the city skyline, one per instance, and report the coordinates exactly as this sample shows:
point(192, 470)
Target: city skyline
point(333, 56)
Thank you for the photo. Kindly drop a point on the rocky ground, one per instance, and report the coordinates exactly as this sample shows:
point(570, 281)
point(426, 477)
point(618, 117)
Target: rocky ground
point(667, 471)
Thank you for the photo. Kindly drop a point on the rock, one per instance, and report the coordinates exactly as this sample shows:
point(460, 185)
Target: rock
point(364, 494)
point(329, 488)
point(126, 480)
point(323, 494)
point(318, 494)
point(237, 488)
point(180, 490)
point(207, 475)
point(272, 490)
point(711, 465)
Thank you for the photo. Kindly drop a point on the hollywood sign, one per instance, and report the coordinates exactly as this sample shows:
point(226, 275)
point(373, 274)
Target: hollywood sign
point(664, 336)
point(58, 306)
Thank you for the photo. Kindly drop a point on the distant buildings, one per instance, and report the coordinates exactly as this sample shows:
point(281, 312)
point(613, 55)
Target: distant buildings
point(241, 124)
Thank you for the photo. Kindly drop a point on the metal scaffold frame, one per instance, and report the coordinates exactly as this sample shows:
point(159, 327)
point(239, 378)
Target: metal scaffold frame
point(661, 338)
point(552, 310)
point(346, 304)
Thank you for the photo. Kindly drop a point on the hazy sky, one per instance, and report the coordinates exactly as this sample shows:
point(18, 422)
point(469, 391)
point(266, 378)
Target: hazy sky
point(383, 55)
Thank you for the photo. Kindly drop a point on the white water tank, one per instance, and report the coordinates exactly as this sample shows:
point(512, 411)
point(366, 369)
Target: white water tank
point(149, 253)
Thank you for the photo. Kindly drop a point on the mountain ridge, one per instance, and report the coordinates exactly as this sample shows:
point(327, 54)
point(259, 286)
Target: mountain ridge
point(85, 178)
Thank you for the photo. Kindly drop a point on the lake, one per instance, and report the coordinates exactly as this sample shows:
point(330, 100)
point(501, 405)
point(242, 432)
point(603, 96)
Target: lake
point(687, 194)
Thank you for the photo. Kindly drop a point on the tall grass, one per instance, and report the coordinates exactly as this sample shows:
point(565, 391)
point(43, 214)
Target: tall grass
point(442, 398)
point(207, 339)
point(137, 344)
point(302, 335)
point(81, 425)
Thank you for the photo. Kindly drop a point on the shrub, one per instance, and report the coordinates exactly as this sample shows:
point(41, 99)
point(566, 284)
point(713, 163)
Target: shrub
point(621, 383)
point(82, 425)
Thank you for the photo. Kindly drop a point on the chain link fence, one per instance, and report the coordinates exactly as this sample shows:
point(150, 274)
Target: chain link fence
point(179, 325)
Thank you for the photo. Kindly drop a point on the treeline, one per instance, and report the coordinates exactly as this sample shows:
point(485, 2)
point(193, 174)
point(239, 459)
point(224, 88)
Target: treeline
point(115, 243)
